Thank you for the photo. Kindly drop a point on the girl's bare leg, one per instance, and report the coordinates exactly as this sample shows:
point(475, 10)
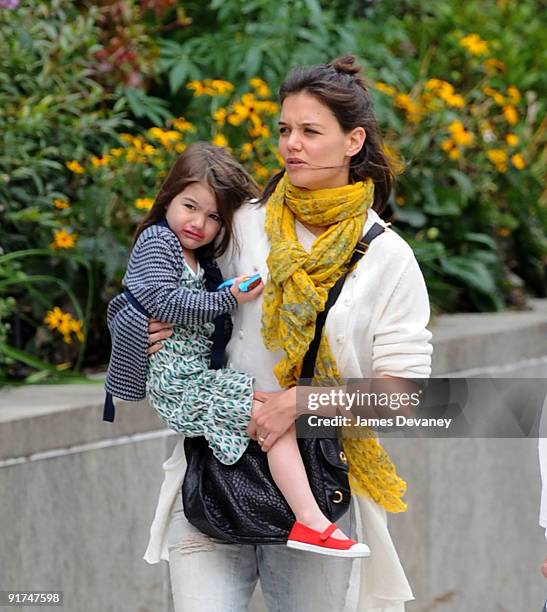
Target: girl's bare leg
point(289, 474)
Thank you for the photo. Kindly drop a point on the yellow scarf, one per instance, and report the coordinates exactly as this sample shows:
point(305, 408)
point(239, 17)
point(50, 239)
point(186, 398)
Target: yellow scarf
point(297, 291)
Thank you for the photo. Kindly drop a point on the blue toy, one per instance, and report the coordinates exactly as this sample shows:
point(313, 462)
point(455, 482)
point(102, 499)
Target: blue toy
point(249, 282)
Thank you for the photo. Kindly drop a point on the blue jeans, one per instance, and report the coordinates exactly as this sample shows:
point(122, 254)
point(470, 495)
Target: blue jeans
point(207, 574)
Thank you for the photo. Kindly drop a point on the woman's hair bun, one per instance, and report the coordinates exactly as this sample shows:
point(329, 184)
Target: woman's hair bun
point(346, 64)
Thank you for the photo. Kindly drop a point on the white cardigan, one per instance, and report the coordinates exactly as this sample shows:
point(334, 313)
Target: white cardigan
point(542, 447)
point(376, 327)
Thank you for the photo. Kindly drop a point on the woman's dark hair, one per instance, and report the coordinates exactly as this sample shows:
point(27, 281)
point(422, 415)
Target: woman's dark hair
point(339, 86)
point(229, 181)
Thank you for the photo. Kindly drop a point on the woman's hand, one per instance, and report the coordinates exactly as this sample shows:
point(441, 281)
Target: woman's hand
point(544, 567)
point(276, 415)
point(157, 331)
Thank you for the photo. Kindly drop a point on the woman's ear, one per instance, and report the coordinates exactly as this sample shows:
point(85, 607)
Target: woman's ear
point(355, 139)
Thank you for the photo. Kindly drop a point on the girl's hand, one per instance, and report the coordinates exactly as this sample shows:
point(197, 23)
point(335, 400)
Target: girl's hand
point(276, 415)
point(544, 567)
point(243, 297)
point(157, 331)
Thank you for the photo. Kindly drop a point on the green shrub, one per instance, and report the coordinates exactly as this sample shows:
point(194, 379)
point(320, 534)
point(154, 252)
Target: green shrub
point(52, 111)
point(459, 94)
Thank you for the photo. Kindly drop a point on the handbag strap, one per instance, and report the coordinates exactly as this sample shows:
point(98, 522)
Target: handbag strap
point(308, 364)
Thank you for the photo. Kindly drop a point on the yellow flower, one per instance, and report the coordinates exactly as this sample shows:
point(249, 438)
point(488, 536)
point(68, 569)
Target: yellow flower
point(454, 100)
point(460, 135)
point(180, 147)
point(220, 140)
point(239, 113)
point(248, 100)
point(266, 106)
point(197, 87)
point(412, 110)
point(514, 94)
point(100, 161)
point(182, 125)
point(260, 87)
point(128, 138)
point(76, 327)
point(447, 145)
point(144, 203)
point(454, 153)
point(432, 84)
point(512, 140)
point(510, 113)
point(445, 91)
point(155, 133)
point(220, 116)
point(495, 95)
point(138, 142)
point(385, 88)
point(496, 156)
point(401, 200)
point(63, 239)
point(261, 172)
point(474, 44)
point(65, 324)
point(492, 64)
point(60, 204)
point(518, 161)
point(117, 151)
point(53, 318)
point(208, 87)
point(246, 151)
point(499, 158)
point(259, 131)
point(74, 166)
point(221, 87)
point(166, 137)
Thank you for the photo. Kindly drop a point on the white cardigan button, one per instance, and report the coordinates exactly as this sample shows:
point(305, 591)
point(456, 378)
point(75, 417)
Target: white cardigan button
point(340, 338)
point(241, 334)
point(347, 302)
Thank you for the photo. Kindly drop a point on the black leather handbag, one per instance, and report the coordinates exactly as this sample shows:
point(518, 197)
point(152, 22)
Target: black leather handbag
point(240, 503)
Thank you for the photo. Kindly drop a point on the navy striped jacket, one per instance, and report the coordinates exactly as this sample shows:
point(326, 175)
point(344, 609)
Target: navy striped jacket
point(152, 289)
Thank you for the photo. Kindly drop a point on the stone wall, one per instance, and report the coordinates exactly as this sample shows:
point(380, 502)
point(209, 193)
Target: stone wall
point(78, 495)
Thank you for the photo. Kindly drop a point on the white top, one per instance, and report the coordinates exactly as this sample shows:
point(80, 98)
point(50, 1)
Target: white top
point(542, 447)
point(376, 327)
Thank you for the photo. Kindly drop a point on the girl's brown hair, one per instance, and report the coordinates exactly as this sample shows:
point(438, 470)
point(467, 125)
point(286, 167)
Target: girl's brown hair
point(228, 180)
point(339, 86)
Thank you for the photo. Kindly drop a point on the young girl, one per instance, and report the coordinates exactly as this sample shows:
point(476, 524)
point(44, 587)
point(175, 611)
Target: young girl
point(189, 224)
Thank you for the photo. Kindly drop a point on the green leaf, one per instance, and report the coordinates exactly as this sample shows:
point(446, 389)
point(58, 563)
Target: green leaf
point(473, 273)
point(481, 239)
point(413, 217)
point(143, 105)
point(178, 75)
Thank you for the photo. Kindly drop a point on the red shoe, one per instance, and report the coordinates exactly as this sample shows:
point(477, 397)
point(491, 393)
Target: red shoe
point(305, 538)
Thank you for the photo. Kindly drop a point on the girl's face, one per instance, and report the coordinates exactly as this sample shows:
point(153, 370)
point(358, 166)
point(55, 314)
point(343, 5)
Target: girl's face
point(316, 151)
point(193, 216)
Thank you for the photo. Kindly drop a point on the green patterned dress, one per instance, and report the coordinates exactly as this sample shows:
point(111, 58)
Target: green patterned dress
point(193, 399)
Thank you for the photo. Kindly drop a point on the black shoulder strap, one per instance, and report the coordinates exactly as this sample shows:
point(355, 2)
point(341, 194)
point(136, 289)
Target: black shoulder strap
point(308, 364)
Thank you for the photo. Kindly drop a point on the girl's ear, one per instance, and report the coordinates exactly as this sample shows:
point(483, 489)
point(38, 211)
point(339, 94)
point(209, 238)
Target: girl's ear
point(355, 141)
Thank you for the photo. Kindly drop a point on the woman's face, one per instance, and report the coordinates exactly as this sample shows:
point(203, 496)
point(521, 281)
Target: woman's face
point(315, 149)
point(192, 215)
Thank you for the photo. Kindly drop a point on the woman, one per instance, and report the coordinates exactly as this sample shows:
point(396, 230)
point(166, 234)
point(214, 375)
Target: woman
point(336, 181)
